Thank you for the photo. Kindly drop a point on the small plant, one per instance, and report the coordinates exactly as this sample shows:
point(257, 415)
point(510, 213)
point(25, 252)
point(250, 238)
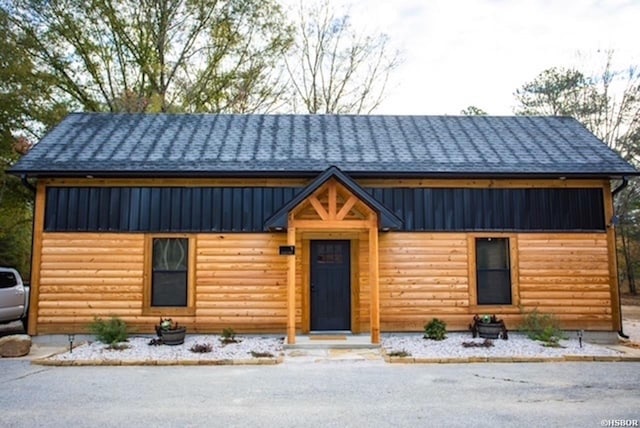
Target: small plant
point(109, 332)
point(156, 342)
point(542, 327)
point(435, 330)
point(167, 324)
point(487, 343)
point(228, 336)
point(257, 354)
point(201, 348)
point(400, 353)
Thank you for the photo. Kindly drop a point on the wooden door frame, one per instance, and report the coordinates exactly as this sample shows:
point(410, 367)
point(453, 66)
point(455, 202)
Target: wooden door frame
point(354, 245)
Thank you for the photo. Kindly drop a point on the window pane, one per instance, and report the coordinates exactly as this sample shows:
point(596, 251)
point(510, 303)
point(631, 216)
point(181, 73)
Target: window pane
point(169, 286)
point(493, 253)
point(494, 287)
point(493, 271)
point(169, 289)
point(170, 254)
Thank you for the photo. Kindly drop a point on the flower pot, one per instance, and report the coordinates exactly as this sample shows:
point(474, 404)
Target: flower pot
point(489, 330)
point(173, 337)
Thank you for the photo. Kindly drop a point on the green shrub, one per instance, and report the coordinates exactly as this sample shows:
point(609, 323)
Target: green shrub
point(542, 327)
point(435, 330)
point(228, 336)
point(109, 332)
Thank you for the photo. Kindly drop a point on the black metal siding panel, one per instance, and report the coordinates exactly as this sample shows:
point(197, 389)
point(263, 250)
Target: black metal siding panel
point(238, 209)
point(495, 209)
point(162, 209)
point(205, 219)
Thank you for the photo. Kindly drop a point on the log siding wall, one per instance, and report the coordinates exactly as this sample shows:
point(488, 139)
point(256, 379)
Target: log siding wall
point(87, 275)
point(240, 282)
point(425, 275)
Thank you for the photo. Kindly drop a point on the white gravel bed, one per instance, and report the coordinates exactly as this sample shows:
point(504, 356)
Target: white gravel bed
point(518, 345)
point(140, 350)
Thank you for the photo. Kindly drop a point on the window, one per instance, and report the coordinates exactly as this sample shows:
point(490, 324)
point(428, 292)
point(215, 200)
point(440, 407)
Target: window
point(170, 267)
point(493, 276)
point(8, 279)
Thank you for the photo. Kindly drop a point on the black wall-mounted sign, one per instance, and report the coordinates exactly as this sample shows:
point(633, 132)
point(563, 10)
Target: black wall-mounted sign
point(287, 250)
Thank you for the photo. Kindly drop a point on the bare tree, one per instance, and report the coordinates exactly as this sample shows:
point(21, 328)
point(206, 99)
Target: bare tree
point(332, 68)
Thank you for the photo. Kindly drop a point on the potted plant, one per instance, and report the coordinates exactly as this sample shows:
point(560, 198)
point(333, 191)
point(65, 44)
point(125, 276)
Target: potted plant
point(170, 332)
point(488, 327)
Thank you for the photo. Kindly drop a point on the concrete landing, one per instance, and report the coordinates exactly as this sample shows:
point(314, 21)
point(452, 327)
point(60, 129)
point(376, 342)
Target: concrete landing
point(327, 341)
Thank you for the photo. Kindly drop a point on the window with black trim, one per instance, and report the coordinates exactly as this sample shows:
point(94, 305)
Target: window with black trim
point(170, 272)
point(493, 267)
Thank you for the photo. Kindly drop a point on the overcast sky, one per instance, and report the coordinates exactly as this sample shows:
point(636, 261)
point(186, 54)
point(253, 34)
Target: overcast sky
point(477, 52)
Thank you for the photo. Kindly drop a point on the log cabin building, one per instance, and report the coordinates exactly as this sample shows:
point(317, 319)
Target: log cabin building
point(304, 223)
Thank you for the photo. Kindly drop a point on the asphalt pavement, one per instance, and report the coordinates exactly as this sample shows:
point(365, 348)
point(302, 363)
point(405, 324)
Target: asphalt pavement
point(329, 394)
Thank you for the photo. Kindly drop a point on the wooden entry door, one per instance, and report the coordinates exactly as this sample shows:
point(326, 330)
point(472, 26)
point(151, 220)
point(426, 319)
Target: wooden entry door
point(330, 285)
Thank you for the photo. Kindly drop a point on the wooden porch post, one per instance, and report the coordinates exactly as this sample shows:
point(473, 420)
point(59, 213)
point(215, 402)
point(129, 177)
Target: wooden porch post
point(613, 260)
point(36, 257)
point(373, 285)
point(291, 289)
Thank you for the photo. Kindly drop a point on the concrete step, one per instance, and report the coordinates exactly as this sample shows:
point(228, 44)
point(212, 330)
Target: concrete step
point(330, 341)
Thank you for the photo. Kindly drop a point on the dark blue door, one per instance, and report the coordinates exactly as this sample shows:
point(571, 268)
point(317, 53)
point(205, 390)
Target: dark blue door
point(330, 285)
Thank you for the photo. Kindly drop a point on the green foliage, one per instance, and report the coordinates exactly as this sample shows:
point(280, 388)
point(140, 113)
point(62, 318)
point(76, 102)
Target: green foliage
point(435, 330)
point(228, 336)
point(109, 332)
point(27, 109)
point(559, 92)
point(167, 324)
point(151, 56)
point(542, 327)
point(473, 111)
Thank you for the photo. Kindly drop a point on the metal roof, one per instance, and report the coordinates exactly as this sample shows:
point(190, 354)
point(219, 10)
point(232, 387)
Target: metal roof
point(216, 145)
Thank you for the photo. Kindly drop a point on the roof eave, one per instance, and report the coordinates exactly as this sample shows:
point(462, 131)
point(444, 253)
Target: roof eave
point(310, 174)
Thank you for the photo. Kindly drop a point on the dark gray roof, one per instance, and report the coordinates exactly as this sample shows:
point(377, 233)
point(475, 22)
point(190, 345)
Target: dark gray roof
point(208, 144)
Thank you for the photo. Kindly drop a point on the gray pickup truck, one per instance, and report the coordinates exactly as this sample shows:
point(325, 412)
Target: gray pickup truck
point(14, 296)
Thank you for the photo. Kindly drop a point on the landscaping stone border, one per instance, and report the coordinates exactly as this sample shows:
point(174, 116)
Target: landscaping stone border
point(629, 357)
point(244, 362)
